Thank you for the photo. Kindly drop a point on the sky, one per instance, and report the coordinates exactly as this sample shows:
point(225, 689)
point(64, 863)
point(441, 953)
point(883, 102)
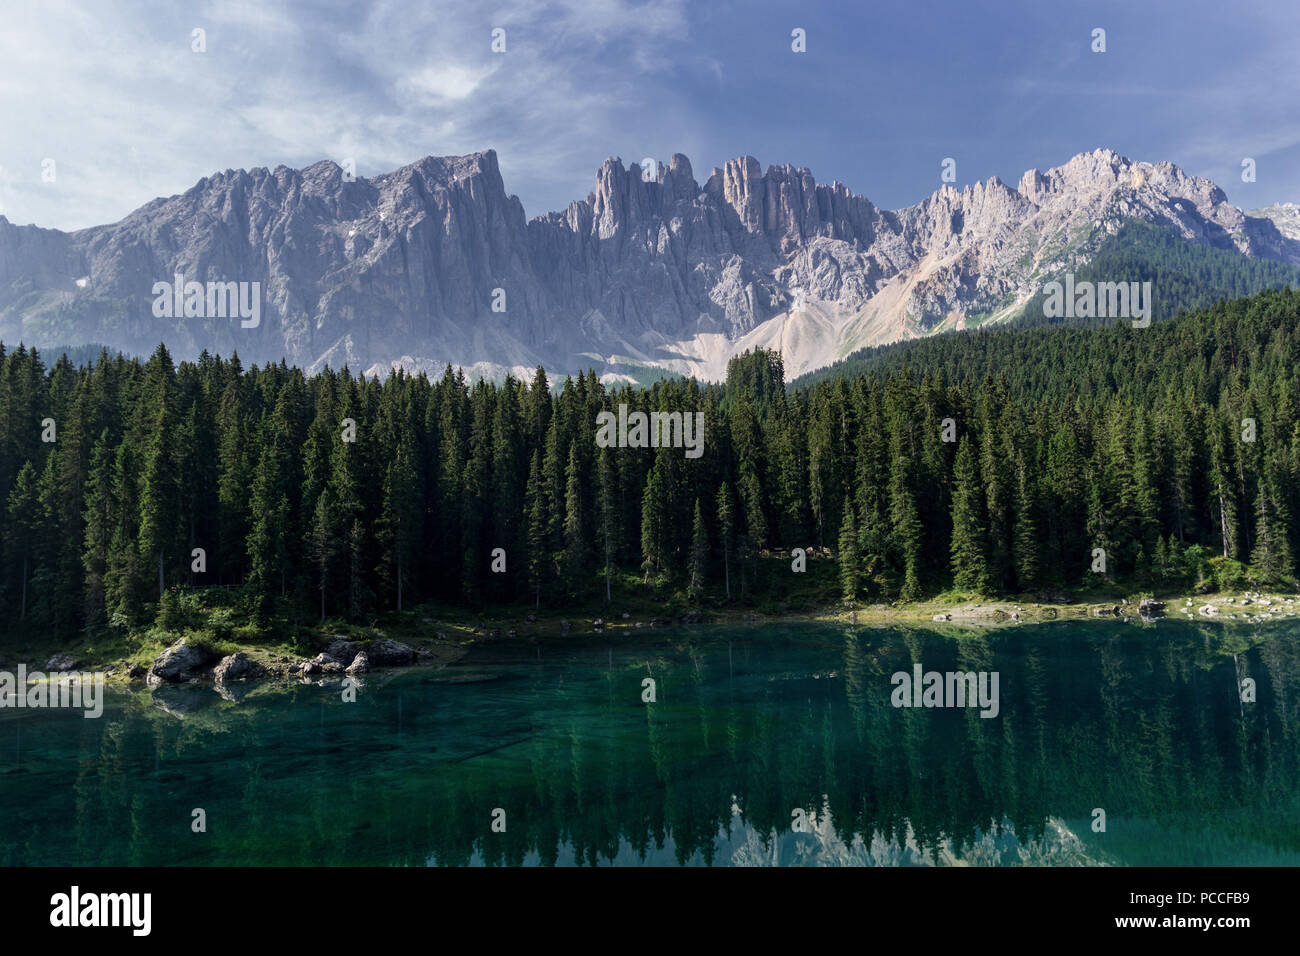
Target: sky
point(118, 96)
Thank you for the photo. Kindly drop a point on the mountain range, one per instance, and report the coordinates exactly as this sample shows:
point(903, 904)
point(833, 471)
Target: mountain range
point(652, 272)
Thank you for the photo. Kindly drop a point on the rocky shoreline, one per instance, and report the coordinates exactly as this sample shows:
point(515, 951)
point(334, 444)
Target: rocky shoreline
point(184, 662)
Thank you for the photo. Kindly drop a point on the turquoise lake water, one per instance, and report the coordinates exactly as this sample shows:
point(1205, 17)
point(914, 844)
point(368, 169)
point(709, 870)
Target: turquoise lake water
point(765, 745)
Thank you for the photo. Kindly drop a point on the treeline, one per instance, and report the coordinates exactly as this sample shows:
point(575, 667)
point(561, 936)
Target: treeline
point(1000, 465)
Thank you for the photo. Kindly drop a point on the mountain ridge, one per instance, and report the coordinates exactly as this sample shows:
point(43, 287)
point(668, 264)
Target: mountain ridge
point(652, 272)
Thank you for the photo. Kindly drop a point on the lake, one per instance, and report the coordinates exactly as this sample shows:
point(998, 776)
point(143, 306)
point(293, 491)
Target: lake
point(1112, 743)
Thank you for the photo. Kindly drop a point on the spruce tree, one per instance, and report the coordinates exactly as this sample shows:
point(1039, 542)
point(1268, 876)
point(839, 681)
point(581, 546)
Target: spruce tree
point(22, 528)
point(969, 545)
point(535, 515)
point(607, 511)
point(699, 554)
point(1024, 545)
point(575, 544)
point(1271, 557)
point(322, 547)
point(726, 532)
point(850, 565)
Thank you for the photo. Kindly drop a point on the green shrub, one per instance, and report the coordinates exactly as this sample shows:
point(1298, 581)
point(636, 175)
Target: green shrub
point(204, 639)
point(1229, 575)
point(222, 623)
point(179, 609)
point(247, 634)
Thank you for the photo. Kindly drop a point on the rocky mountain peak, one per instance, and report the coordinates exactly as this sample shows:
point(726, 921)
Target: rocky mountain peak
point(435, 262)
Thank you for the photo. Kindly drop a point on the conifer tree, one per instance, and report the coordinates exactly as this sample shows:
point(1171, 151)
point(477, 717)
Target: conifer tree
point(654, 523)
point(726, 533)
point(322, 547)
point(850, 565)
point(22, 527)
point(1271, 557)
point(607, 510)
point(575, 544)
point(699, 554)
point(535, 513)
point(1024, 547)
point(969, 546)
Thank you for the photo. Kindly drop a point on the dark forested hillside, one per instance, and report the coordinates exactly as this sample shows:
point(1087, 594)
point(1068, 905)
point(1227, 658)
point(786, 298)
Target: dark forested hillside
point(1185, 277)
point(994, 461)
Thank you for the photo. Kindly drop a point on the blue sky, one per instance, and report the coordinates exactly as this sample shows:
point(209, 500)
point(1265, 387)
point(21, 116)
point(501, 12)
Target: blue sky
point(114, 94)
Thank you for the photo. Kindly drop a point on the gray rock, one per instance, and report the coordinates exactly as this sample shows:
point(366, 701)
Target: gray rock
point(178, 663)
point(360, 663)
point(237, 666)
point(61, 662)
point(342, 651)
point(389, 653)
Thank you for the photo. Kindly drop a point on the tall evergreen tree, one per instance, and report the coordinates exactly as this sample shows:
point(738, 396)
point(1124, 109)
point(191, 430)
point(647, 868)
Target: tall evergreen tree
point(726, 533)
point(969, 546)
point(850, 565)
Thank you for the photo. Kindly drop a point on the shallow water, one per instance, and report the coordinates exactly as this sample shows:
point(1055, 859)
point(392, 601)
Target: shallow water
point(754, 731)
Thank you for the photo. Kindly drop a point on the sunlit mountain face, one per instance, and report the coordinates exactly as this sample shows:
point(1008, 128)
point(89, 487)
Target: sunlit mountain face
point(652, 273)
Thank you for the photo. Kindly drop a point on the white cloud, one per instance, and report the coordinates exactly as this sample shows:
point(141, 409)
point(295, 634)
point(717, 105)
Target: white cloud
point(114, 92)
point(446, 83)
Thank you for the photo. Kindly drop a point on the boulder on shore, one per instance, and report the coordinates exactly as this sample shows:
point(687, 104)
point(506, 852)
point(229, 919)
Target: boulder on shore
point(389, 653)
point(360, 663)
point(238, 666)
point(342, 651)
point(61, 662)
point(1149, 607)
point(178, 664)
